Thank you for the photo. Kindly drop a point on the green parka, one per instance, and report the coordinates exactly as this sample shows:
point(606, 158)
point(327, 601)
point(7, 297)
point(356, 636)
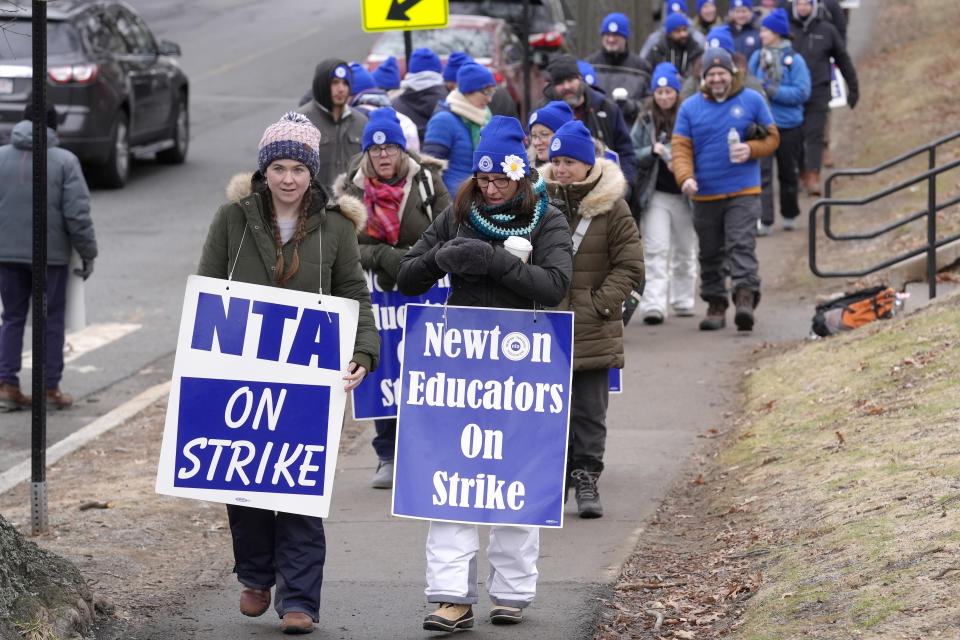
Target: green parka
point(607, 266)
point(329, 257)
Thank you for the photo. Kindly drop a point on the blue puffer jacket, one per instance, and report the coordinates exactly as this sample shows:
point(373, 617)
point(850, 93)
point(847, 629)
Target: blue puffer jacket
point(449, 138)
point(787, 98)
point(68, 201)
point(746, 39)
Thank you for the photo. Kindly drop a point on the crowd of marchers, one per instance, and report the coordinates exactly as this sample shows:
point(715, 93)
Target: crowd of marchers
point(428, 175)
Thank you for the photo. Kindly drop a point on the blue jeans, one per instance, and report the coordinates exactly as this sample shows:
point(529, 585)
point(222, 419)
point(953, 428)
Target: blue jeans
point(16, 287)
point(385, 441)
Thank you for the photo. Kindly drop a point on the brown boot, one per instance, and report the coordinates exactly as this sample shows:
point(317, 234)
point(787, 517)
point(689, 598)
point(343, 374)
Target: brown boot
point(58, 399)
point(827, 158)
point(296, 622)
point(744, 300)
point(813, 184)
point(12, 399)
point(254, 602)
point(716, 316)
point(449, 616)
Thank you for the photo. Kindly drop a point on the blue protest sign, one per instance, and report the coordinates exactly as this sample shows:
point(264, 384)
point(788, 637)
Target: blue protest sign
point(376, 397)
point(257, 400)
point(615, 379)
point(484, 412)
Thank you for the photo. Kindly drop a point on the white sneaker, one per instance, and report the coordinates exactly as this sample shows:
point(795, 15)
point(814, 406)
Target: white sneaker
point(789, 224)
point(764, 230)
point(383, 478)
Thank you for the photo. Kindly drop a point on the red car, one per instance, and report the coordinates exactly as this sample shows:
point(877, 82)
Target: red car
point(490, 41)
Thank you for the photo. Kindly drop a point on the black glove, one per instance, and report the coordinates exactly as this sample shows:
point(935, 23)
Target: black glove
point(385, 281)
point(852, 98)
point(86, 270)
point(465, 256)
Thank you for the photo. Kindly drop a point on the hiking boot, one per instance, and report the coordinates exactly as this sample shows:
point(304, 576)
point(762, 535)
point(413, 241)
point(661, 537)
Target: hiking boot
point(813, 184)
point(827, 158)
point(12, 399)
point(449, 617)
point(716, 316)
point(789, 224)
point(58, 399)
point(744, 300)
point(588, 499)
point(383, 477)
point(295, 622)
point(652, 317)
point(501, 614)
point(254, 602)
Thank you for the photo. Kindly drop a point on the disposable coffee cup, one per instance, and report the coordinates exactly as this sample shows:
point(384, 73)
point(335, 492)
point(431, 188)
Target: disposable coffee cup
point(519, 247)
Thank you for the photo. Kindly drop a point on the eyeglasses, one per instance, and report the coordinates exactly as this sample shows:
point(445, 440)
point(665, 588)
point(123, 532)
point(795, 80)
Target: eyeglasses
point(541, 136)
point(488, 92)
point(383, 149)
point(499, 183)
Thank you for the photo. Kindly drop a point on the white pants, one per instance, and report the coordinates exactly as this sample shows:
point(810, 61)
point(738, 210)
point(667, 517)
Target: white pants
point(669, 254)
point(452, 563)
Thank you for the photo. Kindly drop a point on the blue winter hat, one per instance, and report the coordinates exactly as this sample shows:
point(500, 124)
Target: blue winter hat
point(573, 141)
point(720, 37)
point(383, 128)
point(588, 72)
point(676, 6)
point(501, 139)
point(456, 60)
point(424, 59)
point(700, 4)
point(293, 137)
point(342, 71)
point(778, 22)
point(675, 21)
point(474, 77)
point(741, 3)
point(553, 116)
point(387, 75)
point(617, 24)
point(666, 75)
point(362, 80)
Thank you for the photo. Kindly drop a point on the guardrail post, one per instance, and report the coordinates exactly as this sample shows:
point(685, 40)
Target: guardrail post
point(932, 227)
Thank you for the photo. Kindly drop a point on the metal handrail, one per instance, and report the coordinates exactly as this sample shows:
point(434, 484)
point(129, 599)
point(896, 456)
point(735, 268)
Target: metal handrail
point(932, 244)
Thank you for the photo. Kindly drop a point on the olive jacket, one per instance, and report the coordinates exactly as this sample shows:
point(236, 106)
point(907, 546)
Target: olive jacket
point(607, 266)
point(240, 240)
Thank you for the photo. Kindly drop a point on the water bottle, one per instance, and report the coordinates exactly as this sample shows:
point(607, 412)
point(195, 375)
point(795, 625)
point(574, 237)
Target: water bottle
point(732, 138)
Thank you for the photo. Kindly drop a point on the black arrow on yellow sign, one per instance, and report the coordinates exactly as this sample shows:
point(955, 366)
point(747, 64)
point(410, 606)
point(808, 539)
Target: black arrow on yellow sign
point(398, 9)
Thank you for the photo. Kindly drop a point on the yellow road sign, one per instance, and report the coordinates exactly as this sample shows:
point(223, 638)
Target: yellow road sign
point(393, 15)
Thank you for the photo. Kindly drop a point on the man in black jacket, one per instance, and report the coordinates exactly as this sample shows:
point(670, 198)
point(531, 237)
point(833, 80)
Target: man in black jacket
point(676, 45)
point(622, 75)
point(817, 41)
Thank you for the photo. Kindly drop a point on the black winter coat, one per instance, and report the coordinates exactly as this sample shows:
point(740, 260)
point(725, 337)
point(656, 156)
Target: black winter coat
point(817, 41)
point(419, 105)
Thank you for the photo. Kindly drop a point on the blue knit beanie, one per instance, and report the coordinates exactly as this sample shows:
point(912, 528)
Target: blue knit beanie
point(424, 59)
point(456, 60)
point(362, 80)
point(674, 21)
point(387, 75)
point(573, 141)
point(720, 37)
point(500, 140)
point(553, 115)
point(700, 4)
point(617, 24)
point(342, 71)
point(741, 3)
point(293, 137)
point(778, 22)
point(676, 6)
point(383, 128)
point(666, 75)
point(474, 77)
point(588, 72)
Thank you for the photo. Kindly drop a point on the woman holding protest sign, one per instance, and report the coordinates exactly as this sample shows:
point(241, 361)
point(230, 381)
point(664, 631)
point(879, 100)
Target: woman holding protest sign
point(503, 199)
point(401, 192)
point(607, 266)
point(281, 230)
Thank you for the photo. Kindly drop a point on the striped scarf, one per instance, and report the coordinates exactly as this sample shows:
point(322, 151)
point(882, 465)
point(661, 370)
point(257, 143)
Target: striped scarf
point(383, 209)
point(499, 223)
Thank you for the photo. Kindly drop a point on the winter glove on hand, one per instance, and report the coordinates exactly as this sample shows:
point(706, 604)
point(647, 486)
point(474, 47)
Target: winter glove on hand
point(465, 256)
point(385, 281)
point(852, 98)
point(86, 270)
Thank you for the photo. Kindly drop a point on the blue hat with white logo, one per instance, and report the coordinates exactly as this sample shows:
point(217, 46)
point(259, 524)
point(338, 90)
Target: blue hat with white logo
point(456, 60)
point(424, 59)
point(700, 4)
point(362, 80)
point(588, 72)
point(383, 128)
point(501, 139)
point(741, 3)
point(720, 37)
point(778, 22)
point(553, 115)
point(666, 75)
point(387, 75)
point(573, 140)
point(342, 71)
point(474, 77)
point(676, 6)
point(675, 21)
point(617, 24)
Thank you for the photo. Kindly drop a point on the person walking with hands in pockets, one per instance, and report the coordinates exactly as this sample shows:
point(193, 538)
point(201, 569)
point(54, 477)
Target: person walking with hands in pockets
point(280, 230)
point(503, 198)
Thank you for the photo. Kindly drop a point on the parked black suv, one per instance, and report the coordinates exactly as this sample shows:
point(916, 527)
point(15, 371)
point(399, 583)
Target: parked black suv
point(115, 88)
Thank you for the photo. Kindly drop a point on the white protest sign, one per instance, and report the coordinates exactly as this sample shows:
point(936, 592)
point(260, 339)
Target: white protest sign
point(256, 402)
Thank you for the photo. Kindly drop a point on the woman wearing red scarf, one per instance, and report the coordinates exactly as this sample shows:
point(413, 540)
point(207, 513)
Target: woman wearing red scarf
point(402, 192)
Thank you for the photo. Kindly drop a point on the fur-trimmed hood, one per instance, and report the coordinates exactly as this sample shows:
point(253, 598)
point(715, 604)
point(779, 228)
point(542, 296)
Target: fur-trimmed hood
point(420, 161)
point(241, 185)
point(609, 187)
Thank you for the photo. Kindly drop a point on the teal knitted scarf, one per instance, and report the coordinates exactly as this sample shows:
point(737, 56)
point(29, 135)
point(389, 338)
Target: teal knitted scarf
point(500, 222)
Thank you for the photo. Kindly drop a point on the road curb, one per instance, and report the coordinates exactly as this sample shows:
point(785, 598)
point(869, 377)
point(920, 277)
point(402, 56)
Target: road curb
point(21, 472)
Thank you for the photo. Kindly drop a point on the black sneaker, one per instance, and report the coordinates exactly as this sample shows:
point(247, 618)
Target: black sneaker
point(588, 498)
point(500, 614)
point(449, 617)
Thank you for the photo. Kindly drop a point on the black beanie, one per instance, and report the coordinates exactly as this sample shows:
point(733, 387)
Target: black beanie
point(51, 115)
point(563, 67)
